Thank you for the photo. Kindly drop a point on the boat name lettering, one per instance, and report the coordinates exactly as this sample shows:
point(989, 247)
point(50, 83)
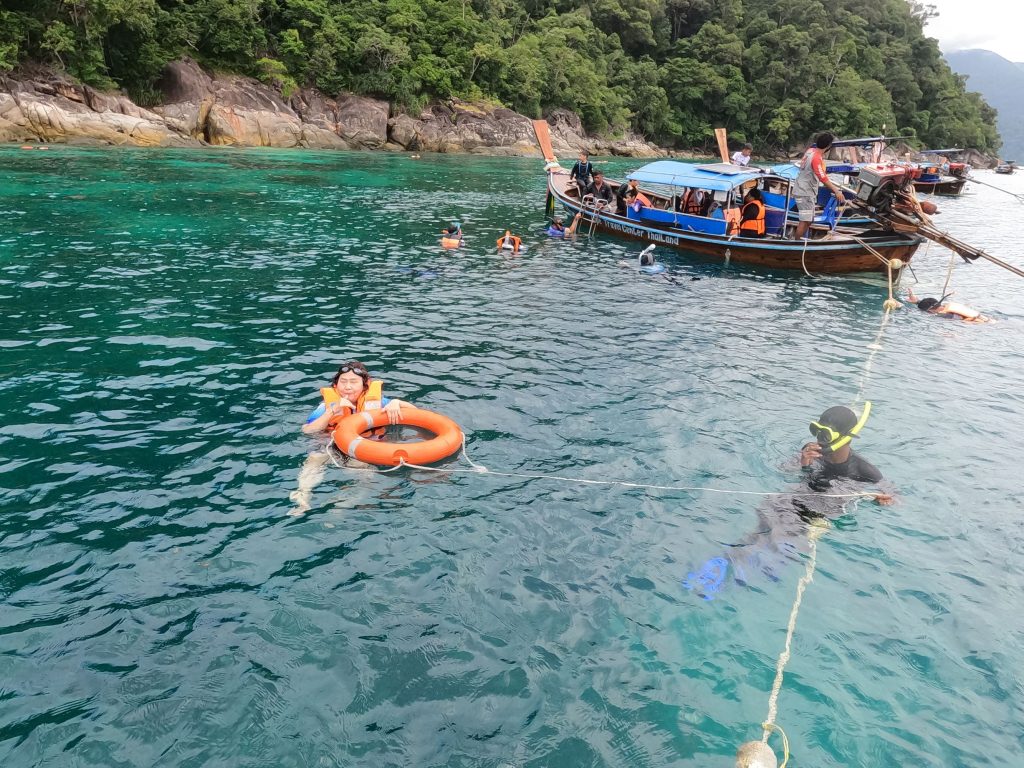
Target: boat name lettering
point(644, 234)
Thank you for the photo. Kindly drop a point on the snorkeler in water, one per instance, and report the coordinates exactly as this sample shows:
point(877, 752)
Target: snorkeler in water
point(834, 476)
point(950, 309)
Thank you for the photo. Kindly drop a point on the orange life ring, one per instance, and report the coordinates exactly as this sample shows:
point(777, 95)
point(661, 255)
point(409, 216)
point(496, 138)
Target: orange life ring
point(348, 437)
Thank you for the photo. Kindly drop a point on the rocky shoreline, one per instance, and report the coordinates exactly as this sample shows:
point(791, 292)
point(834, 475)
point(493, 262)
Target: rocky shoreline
point(201, 109)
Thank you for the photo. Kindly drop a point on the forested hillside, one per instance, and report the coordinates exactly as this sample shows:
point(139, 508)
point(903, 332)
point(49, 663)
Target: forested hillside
point(771, 71)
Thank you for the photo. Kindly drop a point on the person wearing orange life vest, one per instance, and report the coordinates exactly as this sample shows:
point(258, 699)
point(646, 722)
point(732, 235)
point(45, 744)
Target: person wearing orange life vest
point(351, 391)
point(509, 242)
point(752, 215)
point(691, 202)
point(636, 200)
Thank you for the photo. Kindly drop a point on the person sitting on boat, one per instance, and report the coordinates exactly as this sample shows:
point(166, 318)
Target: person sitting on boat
point(752, 215)
point(691, 202)
point(950, 309)
point(351, 391)
point(805, 188)
point(636, 201)
point(620, 195)
point(601, 190)
point(742, 157)
point(582, 172)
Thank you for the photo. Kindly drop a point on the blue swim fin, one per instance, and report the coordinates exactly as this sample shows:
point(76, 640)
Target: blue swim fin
point(709, 578)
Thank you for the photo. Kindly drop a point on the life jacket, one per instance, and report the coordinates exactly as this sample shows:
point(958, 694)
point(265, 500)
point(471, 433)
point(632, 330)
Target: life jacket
point(756, 225)
point(642, 199)
point(370, 400)
point(691, 202)
point(732, 219)
point(556, 232)
point(508, 240)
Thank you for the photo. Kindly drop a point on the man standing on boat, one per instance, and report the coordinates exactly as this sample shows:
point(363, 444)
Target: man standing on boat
point(805, 188)
point(582, 171)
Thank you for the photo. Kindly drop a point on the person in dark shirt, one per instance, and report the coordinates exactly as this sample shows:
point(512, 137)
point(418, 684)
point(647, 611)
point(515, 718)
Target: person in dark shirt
point(601, 189)
point(581, 173)
point(831, 456)
point(834, 474)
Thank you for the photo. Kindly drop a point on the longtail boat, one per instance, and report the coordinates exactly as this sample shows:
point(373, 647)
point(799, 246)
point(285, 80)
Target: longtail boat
point(831, 248)
point(1006, 168)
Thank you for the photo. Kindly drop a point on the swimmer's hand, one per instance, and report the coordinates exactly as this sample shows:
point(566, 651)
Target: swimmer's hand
point(885, 499)
point(394, 411)
point(809, 454)
point(343, 403)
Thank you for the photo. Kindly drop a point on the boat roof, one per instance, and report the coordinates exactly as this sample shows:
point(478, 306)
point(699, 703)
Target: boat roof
point(718, 177)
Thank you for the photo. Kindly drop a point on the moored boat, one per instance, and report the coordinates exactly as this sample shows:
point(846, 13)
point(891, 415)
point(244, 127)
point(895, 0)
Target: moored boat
point(1006, 168)
point(831, 248)
point(936, 179)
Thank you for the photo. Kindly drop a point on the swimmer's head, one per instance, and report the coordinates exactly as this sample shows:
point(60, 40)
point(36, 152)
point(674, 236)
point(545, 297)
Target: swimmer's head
point(837, 426)
point(928, 304)
point(454, 226)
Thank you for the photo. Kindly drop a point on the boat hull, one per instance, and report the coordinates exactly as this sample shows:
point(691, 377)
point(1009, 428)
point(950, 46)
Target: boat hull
point(943, 187)
point(842, 254)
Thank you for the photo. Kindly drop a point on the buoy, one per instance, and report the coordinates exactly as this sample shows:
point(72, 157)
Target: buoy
point(896, 264)
point(348, 437)
point(756, 754)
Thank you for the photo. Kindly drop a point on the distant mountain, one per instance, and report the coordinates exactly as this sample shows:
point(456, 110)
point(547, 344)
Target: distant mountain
point(1001, 83)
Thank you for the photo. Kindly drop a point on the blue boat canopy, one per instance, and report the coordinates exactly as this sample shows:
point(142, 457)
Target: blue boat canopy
point(717, 177)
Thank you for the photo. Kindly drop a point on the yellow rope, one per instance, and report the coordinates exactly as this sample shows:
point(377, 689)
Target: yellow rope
point(785, 741)
point(780, 666)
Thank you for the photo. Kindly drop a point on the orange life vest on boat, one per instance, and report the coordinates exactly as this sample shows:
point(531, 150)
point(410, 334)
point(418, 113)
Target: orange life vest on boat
point(508, 240)
point(642, 199)
point(691, 202)
point(732, 220)
point(370, 400)
point(755, 225)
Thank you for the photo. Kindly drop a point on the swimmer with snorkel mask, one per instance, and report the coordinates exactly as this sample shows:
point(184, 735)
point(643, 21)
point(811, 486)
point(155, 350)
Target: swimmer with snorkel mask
point(831, 455)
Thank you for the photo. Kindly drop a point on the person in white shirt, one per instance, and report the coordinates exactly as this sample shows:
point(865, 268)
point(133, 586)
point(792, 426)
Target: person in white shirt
point(742, 157)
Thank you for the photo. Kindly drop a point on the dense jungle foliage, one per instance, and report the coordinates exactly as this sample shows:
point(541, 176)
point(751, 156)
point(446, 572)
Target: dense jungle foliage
point(772, 71)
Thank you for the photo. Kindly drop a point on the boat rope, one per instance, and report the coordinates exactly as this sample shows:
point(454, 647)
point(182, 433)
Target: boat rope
point(1020, 197)
point(949, 272)
point(803, 258)
point(479, 469)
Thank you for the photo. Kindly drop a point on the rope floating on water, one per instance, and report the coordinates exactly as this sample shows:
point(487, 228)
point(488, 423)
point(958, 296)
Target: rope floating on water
point(479, 469)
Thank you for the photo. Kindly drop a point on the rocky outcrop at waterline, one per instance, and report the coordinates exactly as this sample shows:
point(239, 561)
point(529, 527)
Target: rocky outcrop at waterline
point(198, 108)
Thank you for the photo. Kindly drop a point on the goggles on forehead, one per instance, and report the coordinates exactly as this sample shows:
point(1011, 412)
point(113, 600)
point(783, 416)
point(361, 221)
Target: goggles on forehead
point(836, 440)
point(357, 369)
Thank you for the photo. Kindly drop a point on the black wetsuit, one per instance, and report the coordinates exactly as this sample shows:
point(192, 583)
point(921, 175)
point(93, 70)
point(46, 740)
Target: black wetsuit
point(855, 468)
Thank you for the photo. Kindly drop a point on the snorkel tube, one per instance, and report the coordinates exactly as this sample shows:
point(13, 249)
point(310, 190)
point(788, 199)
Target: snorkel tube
point(832, 440)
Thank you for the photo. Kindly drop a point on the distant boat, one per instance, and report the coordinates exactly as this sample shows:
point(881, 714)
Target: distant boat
point(942, 178)
point(830, 249)
point(1006, 168)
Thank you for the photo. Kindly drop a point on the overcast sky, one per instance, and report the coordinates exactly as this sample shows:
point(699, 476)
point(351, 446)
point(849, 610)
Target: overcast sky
point(996, 25)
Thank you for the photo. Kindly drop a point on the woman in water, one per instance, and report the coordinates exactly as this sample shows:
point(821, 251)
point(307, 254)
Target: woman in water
point(351, 391)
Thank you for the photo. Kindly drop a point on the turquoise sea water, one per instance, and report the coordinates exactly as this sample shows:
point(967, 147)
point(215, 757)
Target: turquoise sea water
point(166, 318)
